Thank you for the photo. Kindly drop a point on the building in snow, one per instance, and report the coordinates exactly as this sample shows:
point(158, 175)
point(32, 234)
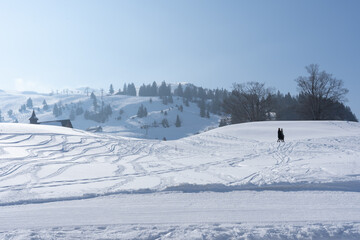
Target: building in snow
point(62, 123)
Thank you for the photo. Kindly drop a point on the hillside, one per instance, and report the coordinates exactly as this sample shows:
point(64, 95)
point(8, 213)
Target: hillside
point(233, 182)
point(122, 122)
point(41, 163)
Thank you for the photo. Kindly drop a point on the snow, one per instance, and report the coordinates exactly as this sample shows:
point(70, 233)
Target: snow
point(232, 215)
point(231, 182)
point(128, 126)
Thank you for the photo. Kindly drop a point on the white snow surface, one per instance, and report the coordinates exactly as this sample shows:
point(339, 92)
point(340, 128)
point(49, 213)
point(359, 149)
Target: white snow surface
point(234, 182)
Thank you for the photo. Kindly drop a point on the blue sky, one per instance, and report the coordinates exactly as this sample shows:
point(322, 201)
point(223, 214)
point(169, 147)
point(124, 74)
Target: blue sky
point(57, 44)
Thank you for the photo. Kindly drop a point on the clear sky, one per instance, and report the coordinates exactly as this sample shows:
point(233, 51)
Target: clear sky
point(61, 44)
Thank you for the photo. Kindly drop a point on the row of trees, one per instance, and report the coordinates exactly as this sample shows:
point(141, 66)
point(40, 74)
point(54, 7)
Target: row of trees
point(321, 97)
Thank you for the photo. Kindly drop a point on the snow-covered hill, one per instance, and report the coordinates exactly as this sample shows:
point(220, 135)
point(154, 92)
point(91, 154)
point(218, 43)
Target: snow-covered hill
point(64, 183)
point(122, 122)
point(45, 162)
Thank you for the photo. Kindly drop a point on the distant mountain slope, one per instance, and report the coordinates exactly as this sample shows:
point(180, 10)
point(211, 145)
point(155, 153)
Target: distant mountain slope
point(122, 122)
point(46, 163)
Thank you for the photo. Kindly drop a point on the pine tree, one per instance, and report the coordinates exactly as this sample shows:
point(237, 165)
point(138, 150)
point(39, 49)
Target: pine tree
point(111, 90)
point(125, 89)
point(92, 95)
point(222, 122)
point(145, 112)
point(29, 103)
point(131, 90)
point(22, 108)
point(179, 91)
point(178, 122)
point(142, 90)
point(165, 123)
point(45, 105)
point(154, 89)
point(142, 111)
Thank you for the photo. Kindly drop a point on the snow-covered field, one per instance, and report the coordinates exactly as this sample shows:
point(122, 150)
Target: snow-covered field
point(232, 182)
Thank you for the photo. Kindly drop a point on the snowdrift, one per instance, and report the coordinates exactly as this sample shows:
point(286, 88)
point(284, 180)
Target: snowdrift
point(48, 163)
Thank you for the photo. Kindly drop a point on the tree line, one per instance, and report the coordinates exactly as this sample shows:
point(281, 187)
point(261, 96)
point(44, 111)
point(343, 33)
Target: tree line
point(320, 97)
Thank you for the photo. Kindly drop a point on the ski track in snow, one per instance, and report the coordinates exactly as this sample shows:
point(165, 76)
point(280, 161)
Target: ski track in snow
point(44, 166)
point(41, 170)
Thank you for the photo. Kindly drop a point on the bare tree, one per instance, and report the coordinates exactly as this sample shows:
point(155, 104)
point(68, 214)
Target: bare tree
point(248, 102)
point(318, 92)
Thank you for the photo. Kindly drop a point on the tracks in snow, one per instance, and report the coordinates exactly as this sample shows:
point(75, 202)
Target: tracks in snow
point(42, 165)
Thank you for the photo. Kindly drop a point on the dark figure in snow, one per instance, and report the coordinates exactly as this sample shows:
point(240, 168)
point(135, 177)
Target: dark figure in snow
point(281, 136)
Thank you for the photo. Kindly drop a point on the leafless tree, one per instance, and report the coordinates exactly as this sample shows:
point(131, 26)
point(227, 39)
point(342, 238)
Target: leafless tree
point(248, 102)
point(318, 92)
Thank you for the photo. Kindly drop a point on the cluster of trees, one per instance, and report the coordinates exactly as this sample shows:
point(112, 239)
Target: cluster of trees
point(211, 100)
point(321, 97)
point(128, 89)
point(100, 113)
point(142, 112)
point(153, 90)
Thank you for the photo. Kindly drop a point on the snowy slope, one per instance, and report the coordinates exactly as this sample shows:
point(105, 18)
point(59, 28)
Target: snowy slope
point(125, 123)
point(60, 183)
point(45, 163)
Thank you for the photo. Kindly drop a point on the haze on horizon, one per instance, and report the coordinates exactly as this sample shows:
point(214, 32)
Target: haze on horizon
point(67, 44)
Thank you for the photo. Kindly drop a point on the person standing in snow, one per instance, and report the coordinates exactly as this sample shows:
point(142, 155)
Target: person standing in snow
point(279, 134)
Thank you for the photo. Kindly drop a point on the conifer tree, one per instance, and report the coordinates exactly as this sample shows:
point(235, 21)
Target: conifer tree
point(165, 123)
point(29, 103)
point(45, 105)
point(179, 91)
point(178, 121)
point(142, 111)
point(202, 108)
point(222, 122)
point(125, 89)
point(154, 89)
point(111, 90)
point(131, 90)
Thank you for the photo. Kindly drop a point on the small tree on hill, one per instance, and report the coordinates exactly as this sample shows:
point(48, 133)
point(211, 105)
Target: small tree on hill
point(178, 121)
point(111, 90)
point(142, 111)
point(165, 123)
point(45, 105)
point(29, 103)
point(22, 108)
